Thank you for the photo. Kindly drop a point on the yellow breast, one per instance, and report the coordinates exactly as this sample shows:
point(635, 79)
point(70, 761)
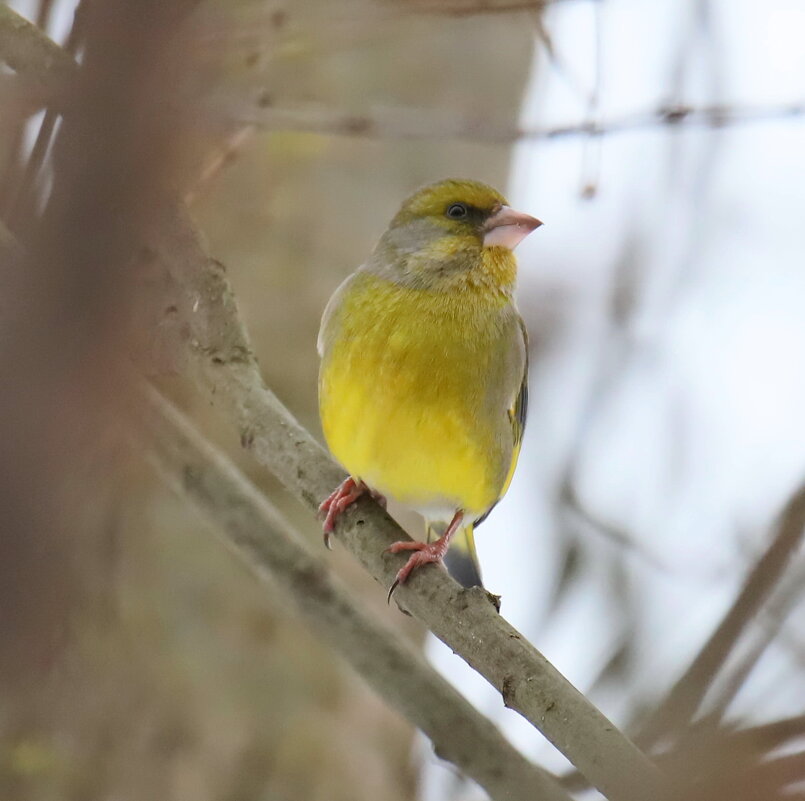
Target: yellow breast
point(403, 393)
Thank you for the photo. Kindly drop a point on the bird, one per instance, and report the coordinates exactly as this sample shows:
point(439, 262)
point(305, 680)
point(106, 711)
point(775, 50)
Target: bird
point(423, 380)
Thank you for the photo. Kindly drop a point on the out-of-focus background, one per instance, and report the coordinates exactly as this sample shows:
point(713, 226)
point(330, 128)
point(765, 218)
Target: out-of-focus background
point(661, 143)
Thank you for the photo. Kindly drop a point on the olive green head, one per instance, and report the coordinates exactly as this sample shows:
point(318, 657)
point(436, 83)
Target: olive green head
point(442, 230)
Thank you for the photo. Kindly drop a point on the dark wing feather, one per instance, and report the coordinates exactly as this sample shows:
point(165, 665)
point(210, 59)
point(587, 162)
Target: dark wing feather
point(517, 417)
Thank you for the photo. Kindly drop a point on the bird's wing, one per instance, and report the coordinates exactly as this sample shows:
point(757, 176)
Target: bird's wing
point(325, 329)
point(462, 560)
point(517, 417)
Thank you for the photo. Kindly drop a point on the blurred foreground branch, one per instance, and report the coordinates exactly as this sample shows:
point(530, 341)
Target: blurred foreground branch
point(255, 530)
point(28, 52)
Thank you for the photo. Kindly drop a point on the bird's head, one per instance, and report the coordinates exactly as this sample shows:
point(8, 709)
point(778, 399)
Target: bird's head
point(447, 229)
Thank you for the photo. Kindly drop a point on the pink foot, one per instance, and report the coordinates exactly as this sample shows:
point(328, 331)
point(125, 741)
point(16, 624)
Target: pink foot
point(345, 494)
point(424, 552)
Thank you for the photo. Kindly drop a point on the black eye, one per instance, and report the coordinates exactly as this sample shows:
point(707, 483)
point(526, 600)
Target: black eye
point(457, 211)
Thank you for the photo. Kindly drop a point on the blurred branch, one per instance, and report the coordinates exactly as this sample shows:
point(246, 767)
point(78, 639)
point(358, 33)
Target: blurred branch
point(220, 159)
point(29, 52)
point(772, 735)
point(773, 617)
point(469, 8)
point(36, 54)
point(9, 247)
point(686, 695)
point(417, 123)
point(19, 195)
point(675, 713)
point(255, 530)
point(65, 311)
point(30, 96)
point(466, 620)
point(709, 737)
point(580, 515)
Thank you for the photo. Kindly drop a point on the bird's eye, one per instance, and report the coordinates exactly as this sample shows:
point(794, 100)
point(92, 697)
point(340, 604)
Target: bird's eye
point(457, 211)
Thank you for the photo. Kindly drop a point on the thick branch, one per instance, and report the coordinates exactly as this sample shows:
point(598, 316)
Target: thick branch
point(254, 529)
point(465, 620)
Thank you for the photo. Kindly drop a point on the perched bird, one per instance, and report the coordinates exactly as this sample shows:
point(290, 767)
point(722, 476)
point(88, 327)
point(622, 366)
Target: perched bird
point(423, 380)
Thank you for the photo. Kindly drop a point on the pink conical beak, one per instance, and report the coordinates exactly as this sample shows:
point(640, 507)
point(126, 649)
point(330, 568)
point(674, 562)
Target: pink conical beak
point(507, 228)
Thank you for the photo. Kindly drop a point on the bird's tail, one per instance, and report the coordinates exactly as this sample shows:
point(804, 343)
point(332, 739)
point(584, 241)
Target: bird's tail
point(462, 559)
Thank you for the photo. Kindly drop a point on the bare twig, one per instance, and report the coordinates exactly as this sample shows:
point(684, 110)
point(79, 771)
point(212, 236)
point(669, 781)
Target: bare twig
point(417, 123)
point(710, 735)
point(411, 123)
point(463, 8)
point(582, 516)
point(255, 530)
point(774, 616)
point(465, 620)
point(687, 693)
point(770, 735)
point(219, 159)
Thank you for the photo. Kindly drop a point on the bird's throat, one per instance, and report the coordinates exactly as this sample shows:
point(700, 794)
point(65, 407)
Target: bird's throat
point(498, 268)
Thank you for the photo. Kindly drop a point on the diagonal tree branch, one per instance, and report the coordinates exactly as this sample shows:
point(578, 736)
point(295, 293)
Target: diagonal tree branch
point(466, 620)
point(257, 533)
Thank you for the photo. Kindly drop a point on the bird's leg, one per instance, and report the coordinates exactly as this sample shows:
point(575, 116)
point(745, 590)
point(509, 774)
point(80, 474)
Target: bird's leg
point(424, 552)
point(344, 495)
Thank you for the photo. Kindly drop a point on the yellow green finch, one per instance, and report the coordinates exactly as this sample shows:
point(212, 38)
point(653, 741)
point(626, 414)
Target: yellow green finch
point(423, 380)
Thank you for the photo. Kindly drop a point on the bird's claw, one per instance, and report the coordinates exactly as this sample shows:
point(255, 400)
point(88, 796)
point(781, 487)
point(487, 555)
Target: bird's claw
point(344, 495)
point(424, 553)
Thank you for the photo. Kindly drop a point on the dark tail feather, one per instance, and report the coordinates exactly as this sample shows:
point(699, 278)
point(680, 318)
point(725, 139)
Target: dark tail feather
point(462, 559)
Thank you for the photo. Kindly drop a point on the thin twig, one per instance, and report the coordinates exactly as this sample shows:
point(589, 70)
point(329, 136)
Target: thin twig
point(708, 734)
point(771, 735)
point(462, 8)
point(686, 695)
point(416, 123)
point(406, 122)
point(775, 615)
point(224, 155)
